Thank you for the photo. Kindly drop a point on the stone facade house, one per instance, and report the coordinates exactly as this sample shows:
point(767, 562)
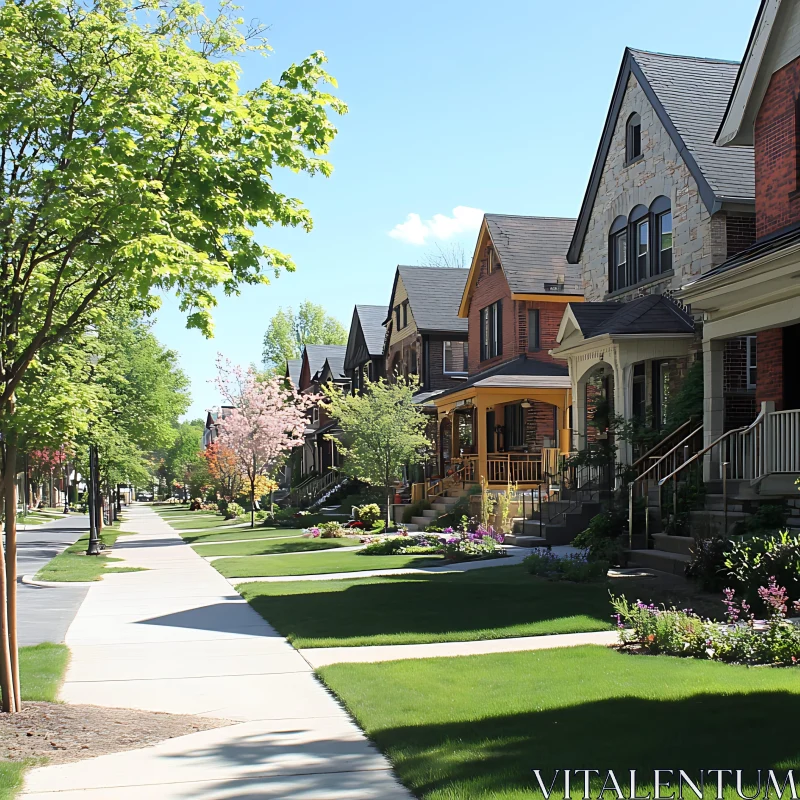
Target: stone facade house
point(664, 204)
point(508, 420)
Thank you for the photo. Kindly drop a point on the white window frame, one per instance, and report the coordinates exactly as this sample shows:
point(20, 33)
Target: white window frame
point(448, 344)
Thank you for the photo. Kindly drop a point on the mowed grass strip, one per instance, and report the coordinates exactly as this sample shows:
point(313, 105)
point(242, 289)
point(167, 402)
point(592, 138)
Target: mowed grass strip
point(494, 603)
point(476, 726)
point(241, 533)
point(206, 521)
point(257, 548)
point(317, 564)
point(74, 565)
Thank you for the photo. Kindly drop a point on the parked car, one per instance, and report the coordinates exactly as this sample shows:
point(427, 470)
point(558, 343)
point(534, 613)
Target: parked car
point(144, 497)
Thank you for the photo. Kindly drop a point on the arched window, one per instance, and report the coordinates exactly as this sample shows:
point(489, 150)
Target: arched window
point(633, 137)
point(618, 255)
point(640, 242)
point(661, 215)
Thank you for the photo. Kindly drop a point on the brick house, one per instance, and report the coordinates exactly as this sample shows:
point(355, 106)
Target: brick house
point(757, 292)
point(364, 355)
point(664, 204)
point(507, 420)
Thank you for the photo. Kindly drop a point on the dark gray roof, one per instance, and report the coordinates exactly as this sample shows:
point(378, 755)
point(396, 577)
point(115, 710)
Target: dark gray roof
point(434, 294)
point(319, 353)
point(533, 251)
point(519, 366)
point(652, 314)
point(336, 365)
point(371, 319)
point(695, 94)
point(690, 96)
point(293, 367)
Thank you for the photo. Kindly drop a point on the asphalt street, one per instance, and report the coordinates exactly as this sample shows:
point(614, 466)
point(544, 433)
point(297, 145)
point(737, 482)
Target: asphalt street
point(45, 613)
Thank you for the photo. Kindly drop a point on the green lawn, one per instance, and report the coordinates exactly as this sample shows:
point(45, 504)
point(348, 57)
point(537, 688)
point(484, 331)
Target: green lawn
point(42, 668)
point(414, 609)
point(34, 518)
point(316, 564)
point(256, 548)
point(204, 521)
point(74, 565)
point(241, 533)
point(476, 726)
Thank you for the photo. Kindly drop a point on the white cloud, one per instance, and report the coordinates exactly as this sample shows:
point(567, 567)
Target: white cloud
point(415, 230)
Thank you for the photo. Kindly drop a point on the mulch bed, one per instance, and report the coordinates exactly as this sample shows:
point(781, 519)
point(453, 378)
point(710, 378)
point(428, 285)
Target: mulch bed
point(62, 733)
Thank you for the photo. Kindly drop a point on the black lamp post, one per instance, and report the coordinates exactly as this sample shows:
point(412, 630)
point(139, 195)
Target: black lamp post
point(91, 497)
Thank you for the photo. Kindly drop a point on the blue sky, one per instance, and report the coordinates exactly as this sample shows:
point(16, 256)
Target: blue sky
point(454, 104)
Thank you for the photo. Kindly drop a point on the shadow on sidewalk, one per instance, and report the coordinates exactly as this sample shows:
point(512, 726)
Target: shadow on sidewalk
point(231, 617)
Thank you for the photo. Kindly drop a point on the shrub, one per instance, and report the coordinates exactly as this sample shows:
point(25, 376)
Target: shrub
point(399, 545)
point(707, 566)
point(602, 539)
point(331, 530)
point(571, 567)
point(742, 639)
point(482, 543)
point(369, 514)
point(769, 519)
point(233, 510)
point(415, 510)
point(222, 505)
point(752, 561)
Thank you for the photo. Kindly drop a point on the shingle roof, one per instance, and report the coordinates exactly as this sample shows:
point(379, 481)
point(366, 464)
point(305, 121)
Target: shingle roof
point(695, 94)
point(689, 96)
point(371, 320)
point(521, 372)
point(434, 294)
point(293, 367)
point(533, 251)
point(652, 314)
point(336, 365)
point(318, 353)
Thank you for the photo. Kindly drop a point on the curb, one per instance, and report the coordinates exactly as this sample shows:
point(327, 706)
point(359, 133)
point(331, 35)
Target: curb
point(29, 580)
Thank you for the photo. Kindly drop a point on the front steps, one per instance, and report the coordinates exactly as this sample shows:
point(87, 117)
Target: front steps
point(563, 527)
point(669, 554)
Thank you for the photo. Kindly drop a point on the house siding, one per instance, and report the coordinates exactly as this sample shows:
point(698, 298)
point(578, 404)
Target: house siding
point(437, 378)
point(777, 204)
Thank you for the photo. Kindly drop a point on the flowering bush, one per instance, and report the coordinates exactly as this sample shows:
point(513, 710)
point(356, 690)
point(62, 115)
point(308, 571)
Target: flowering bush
point(575, 567)
point(331, 530)
point(481, 543)
point(233, 510)
point(742, 639)
point(312, 533)
point(368, 514)
point(402, 545)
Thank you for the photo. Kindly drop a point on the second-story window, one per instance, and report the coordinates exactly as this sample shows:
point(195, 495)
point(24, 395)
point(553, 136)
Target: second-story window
point(405, 313)
point(664, 240)
point(491, 322)
point(633, 137)
point(619, 257)
point(534, 342)
point(397, 317)
point(455, 358)
point(642, 249)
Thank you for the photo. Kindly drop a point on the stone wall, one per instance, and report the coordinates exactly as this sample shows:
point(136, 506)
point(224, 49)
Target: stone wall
point(660, 172)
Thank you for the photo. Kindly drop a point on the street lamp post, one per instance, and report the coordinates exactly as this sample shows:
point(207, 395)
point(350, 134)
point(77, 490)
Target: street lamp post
point(91, 497)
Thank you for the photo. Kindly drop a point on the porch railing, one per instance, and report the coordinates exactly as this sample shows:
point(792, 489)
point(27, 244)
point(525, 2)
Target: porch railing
point(512, 468)
point(463, 470)
point(311, 490)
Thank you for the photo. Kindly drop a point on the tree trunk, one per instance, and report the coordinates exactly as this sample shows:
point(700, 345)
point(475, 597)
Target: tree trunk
point(252, 504)
point(9, 663)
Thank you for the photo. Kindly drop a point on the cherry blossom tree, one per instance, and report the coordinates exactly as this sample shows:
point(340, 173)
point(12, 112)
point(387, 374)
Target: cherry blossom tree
point(267, 421)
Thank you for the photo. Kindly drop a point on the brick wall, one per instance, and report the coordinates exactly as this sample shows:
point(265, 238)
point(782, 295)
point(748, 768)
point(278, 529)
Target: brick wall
point(438, 380)
point(540, 425)
point(776, 153)
point(740, 233)
point(769, 383)
point(550, 315)
point(740, 401)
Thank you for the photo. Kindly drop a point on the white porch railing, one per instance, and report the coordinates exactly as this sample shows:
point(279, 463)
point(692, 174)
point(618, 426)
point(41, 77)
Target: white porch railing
point(770, 445)
point(783, 441)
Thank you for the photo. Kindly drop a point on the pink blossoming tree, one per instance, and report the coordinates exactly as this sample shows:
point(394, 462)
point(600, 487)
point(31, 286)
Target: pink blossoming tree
point(267, 421)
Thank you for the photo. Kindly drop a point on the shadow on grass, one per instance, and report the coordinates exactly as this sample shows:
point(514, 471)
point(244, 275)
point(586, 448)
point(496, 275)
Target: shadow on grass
point(497, 602)
point(494, 756)
point(279, 547)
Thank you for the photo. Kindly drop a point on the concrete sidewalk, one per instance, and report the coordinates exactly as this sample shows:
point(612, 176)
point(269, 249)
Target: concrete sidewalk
point(322, 656)
point(178, 639)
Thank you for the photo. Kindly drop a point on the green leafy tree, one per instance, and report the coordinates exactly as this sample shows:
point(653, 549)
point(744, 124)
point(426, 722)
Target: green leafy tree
point(133, 164)
point(183, 460)
point(383, 431)
point(289, 332)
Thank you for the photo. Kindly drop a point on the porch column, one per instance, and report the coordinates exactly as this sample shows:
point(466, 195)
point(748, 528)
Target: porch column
point(713, 404)
point(480, 438)
point(622, 407)
point(564, 432)
point(578, 409)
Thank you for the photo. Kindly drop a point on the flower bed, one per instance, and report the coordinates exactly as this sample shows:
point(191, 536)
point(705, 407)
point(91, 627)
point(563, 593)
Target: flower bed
point(453, 545)
point(571, 567)
point(647, 628)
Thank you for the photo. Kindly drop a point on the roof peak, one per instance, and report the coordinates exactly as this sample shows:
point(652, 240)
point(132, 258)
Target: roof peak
point(708, 59)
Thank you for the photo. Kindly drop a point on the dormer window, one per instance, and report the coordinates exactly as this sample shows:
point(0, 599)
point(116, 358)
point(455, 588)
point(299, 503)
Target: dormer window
point(633, 138)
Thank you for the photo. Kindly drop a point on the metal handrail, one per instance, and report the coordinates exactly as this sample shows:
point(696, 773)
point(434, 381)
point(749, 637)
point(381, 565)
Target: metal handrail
point(711, 446)
point(668, 454)
point(655, 447)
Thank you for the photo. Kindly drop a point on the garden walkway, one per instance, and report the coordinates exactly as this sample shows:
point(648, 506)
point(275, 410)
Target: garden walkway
point(178, 639)
point(322, 656)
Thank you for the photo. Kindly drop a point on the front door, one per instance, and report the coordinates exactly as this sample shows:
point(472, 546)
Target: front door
point(791, 375)
point(446, 444)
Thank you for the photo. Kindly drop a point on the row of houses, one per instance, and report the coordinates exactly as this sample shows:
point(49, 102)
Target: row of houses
point(686, 248)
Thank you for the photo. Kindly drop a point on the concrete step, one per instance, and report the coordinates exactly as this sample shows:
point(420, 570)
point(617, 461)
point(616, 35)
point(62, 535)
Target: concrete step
point(411, 527)
point(683, 545)
point(441, 508)
point(421, 522)
point(431, 513)
point(712, 522)
point(525, 541)
point(674, 563)
point(447, 500)
point(714, 502)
